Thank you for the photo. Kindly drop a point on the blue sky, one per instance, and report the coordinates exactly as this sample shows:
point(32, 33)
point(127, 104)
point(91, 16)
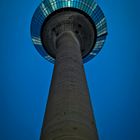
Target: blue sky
point(113, 76)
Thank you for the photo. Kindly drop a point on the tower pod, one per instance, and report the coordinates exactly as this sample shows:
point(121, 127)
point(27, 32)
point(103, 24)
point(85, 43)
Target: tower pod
point(90, 30)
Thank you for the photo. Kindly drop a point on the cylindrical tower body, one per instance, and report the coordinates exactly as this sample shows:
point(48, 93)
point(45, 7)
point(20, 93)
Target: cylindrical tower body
point(68, 113)
point(68, 33)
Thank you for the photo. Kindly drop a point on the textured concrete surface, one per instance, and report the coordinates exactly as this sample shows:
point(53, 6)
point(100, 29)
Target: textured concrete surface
point(69, 114)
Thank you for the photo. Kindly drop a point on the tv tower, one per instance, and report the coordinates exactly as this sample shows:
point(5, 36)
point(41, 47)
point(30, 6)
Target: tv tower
point(68, 33)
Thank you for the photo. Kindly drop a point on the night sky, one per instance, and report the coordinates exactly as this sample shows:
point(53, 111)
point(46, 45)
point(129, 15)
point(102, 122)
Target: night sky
point(113, 75)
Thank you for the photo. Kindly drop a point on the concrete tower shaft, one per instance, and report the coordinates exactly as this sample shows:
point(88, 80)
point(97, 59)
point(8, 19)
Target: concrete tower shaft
point(68, 113)
point(68, 33)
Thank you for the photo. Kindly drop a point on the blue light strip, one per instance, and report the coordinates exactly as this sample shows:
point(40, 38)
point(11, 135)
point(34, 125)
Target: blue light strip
point(88, 6)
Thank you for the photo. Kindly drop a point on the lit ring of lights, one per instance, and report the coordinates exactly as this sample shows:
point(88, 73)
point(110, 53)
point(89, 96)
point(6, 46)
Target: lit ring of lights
point(49, 6)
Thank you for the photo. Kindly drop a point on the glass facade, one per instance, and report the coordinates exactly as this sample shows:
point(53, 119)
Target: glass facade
point(88, 6)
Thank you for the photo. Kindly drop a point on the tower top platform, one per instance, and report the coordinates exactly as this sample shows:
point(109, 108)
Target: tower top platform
point(94, 26)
